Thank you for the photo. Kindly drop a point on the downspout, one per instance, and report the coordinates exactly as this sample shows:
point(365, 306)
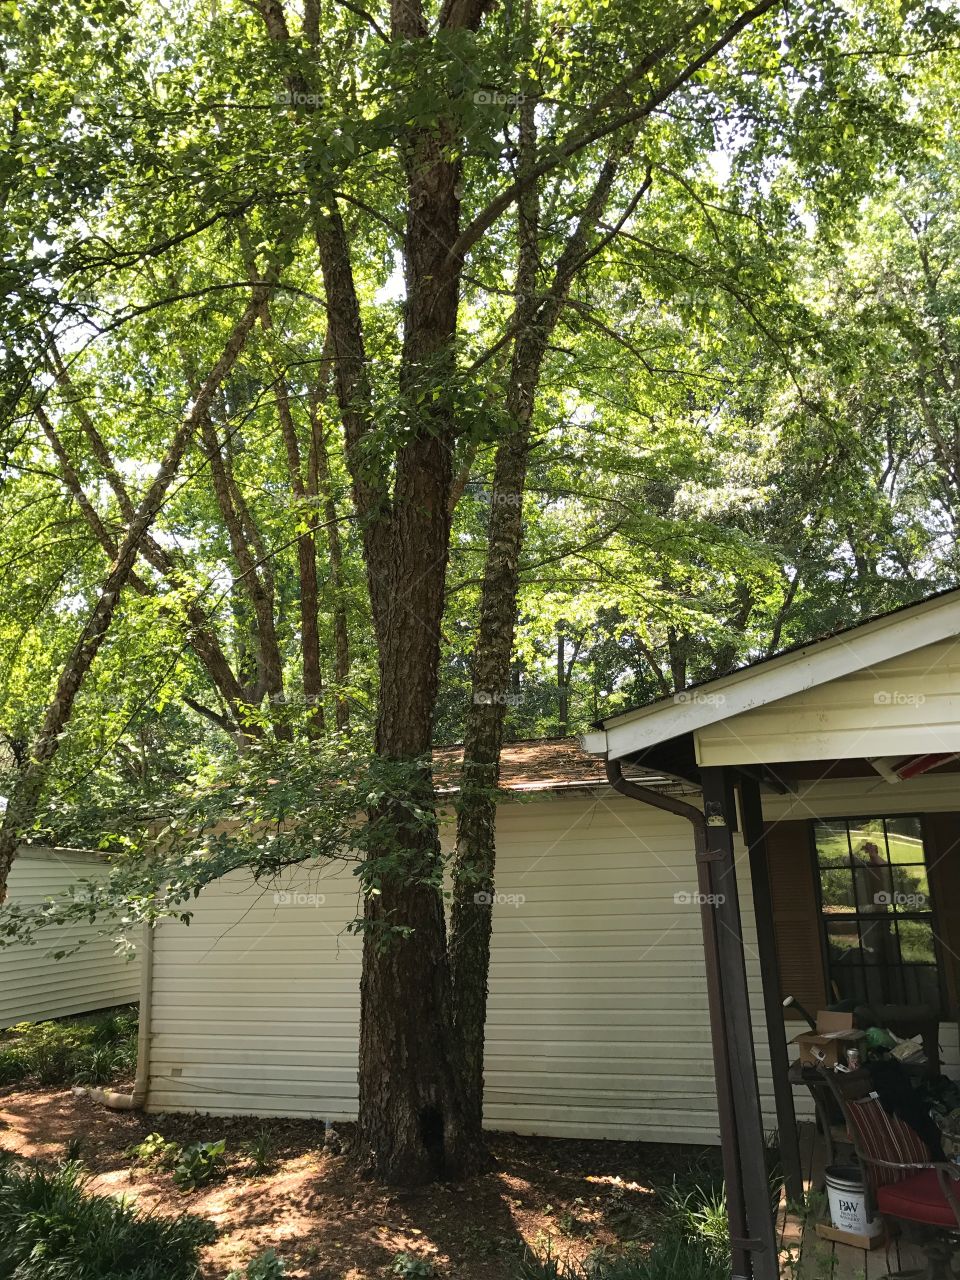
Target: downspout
point(718, 1030)
point(135, 1101)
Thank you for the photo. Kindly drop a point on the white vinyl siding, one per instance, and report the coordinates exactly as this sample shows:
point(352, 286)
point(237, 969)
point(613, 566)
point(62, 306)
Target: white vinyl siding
point(35, 986)
point(906, 705)
point(597, 1023)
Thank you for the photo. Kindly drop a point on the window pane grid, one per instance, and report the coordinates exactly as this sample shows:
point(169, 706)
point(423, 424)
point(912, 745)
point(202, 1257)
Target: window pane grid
point(876, 910)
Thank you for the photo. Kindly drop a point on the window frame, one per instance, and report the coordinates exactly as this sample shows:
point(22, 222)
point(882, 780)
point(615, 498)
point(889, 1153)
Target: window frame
point(943, 1001)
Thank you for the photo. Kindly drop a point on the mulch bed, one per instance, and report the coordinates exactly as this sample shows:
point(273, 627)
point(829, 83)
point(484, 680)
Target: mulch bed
point(328, 1223)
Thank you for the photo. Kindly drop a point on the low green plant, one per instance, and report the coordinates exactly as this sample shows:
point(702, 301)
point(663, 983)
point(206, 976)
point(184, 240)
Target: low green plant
point(73, 1151)
point(155, 1149)
point(571, 1220)
point(700, 1214)
point(52, 1227)
point(266, 1266)
point(198, 1164)
point(93, 1050)
point(414, 1268)
point(261, 1150)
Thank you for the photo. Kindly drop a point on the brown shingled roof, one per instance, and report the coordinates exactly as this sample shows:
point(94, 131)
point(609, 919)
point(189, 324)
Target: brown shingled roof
point(543, 764)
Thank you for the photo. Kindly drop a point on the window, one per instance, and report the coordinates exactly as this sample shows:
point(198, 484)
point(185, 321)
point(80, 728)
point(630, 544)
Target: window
point(876, 912)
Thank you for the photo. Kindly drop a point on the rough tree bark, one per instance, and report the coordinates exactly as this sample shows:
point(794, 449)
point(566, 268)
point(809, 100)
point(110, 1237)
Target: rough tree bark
point(321, 497)
point(473, 876)
point(22, 804)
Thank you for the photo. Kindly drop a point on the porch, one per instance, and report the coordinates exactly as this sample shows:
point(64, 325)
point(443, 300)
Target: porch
point(805, 1256)
point(829, 774)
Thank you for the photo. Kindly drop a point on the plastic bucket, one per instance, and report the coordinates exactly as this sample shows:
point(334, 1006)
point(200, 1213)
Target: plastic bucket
point(848, 1201)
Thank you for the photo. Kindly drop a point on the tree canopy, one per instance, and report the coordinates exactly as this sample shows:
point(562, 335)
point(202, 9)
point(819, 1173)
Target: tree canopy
point(385, 376)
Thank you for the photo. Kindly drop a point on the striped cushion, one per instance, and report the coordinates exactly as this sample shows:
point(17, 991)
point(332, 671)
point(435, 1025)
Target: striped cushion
point(885, 1137)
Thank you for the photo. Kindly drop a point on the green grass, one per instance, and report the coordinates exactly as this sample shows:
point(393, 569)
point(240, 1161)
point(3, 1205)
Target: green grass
point(99, 1049)
point(53, 1228)
point(903, 848)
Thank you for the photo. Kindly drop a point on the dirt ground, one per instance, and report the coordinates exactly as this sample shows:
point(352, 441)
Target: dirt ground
point(328, 1223)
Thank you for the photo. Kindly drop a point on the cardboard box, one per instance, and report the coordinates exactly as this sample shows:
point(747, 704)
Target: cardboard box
point(828, 1045)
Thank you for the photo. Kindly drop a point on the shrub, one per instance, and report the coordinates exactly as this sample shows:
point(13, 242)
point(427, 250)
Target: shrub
point(52, 1228)
point(198, 1164)
point(95, 1050)
point(693, 1244)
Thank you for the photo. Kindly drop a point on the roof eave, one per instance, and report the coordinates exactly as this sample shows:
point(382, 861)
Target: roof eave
point(751, 687)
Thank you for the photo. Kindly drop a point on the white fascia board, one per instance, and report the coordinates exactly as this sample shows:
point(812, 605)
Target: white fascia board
point(842, 655)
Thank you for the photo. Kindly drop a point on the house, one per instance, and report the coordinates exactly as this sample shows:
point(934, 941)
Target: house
point(796, 833)
point(34, 985)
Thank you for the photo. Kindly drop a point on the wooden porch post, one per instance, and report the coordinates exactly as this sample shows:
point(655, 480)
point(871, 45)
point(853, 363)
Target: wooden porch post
point(719, 859)
point(751, 812)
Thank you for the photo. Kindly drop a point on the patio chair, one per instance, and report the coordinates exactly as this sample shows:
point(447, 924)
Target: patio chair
point(901, 1179)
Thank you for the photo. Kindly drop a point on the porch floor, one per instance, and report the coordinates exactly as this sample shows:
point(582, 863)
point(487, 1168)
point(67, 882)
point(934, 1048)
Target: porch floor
point(804, 1256)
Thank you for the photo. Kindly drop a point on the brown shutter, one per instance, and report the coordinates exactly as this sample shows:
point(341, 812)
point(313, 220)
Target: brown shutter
point(796, 915)
point(941, 833)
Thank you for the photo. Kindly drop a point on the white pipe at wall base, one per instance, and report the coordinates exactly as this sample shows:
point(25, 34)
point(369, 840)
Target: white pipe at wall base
point(135, 1101)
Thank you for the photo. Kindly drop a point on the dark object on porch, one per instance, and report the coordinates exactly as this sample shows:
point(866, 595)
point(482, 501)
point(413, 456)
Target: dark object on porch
point(903, 1180)
point(906, 1021)
point(899, 1098)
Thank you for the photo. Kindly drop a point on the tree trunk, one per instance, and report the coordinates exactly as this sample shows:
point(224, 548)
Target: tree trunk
point(411, 1096)
point(312, 678)
point(563, 701)
point(473, 881)
point(320, 490)
point(472, 911)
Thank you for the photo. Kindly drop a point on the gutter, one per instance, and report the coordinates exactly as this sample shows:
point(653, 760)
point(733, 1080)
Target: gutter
point(719, 1036)
point(135, 1101)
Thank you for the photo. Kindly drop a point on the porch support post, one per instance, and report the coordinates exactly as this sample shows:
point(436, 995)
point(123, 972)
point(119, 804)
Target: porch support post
point(719, 859)
point(751, 813)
